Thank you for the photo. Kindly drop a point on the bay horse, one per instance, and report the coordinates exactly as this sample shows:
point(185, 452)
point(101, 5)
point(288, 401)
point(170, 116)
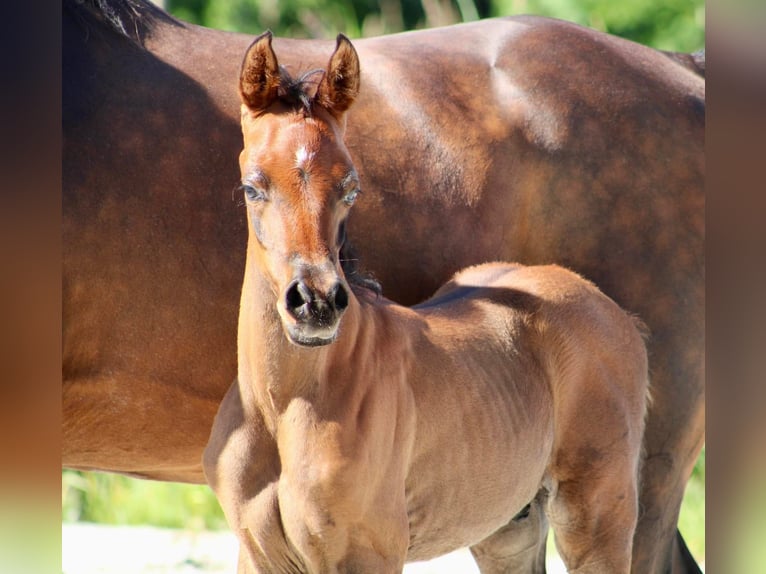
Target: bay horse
point(360, 433)
point(529, 139)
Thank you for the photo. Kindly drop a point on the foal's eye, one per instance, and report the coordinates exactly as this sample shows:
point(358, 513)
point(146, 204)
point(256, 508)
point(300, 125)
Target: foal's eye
point(253, 193)
point(350, 196)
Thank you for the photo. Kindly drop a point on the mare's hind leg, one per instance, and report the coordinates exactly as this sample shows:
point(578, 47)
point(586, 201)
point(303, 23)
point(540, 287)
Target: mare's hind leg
point(518, 547)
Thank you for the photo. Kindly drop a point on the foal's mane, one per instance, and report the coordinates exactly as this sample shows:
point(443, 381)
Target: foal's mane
point(298, 93)
point(359, 280)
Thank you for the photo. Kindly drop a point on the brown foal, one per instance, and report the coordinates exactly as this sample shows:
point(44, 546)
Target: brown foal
point(361, 434)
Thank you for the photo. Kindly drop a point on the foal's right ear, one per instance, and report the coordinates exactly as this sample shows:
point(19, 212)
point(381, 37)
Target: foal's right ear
point(259, 77)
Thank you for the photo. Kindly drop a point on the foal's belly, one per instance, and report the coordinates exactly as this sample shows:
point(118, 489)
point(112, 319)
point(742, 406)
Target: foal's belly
point(456, 503)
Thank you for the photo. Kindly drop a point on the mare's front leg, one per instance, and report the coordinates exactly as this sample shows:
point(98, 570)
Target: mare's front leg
point(519, 546)
point(241, 465)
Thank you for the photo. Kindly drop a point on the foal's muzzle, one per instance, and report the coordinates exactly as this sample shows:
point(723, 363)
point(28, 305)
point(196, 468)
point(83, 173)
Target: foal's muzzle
point(316, 312)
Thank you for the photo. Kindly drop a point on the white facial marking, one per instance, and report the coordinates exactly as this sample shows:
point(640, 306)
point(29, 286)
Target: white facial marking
point(303, 157)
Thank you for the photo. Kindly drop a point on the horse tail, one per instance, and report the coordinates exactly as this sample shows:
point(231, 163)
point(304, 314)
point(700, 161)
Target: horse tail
point(682, 557)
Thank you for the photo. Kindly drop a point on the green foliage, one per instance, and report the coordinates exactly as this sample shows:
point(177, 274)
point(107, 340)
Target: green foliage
point(665, 24)
point(691, 521)
point(115, 499)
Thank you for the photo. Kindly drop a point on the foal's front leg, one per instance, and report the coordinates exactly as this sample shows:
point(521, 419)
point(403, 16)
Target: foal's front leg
point(241, 466)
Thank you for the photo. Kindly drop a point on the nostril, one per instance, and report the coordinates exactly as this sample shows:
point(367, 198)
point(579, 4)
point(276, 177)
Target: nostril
point(297, 295)
point(339, 297)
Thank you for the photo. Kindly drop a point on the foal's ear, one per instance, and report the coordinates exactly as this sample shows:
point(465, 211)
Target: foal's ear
point(259, 77)
point(340, 84)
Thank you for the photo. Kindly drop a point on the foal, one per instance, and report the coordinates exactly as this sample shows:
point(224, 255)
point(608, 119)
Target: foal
point(360, 434)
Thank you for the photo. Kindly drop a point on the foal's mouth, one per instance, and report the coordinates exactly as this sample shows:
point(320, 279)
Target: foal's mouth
point(308, 336)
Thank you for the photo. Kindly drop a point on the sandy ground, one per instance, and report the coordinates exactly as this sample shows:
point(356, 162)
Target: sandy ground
point(100, 549)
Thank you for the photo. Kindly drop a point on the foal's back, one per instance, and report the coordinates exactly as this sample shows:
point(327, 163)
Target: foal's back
point(547, 309)
point(542, 300)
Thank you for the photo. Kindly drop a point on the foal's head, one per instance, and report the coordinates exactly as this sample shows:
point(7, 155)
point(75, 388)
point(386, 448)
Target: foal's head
point(299, 184)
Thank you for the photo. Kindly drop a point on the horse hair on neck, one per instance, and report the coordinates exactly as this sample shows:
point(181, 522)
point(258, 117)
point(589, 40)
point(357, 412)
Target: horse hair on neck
point(130, 19)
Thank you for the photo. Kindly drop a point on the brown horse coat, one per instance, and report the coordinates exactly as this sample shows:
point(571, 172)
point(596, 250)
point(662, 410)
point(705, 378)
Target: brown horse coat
point(520, 139)
point(359, 433)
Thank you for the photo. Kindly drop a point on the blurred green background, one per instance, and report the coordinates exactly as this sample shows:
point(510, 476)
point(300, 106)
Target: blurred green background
point(665, 24)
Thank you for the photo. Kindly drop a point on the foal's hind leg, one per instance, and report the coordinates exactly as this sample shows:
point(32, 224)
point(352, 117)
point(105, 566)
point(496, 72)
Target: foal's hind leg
point(592, 487)
point(518, 547)
point(593, 528)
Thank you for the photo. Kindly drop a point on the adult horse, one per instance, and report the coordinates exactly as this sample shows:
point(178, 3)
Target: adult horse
point(520, 139)
point(360, 434)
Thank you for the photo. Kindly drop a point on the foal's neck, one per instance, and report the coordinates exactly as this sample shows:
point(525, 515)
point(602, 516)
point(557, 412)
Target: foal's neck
point(274, 369)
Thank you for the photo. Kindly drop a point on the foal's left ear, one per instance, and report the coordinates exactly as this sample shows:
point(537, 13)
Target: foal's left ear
point(340, 84)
